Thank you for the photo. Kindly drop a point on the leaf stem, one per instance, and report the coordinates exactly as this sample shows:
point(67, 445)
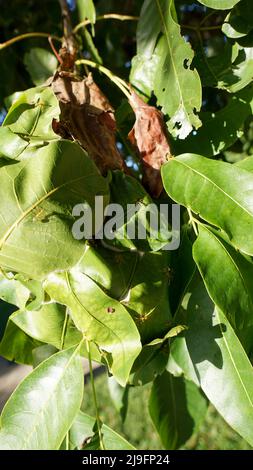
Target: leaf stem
point(69, 39)
point(109, 16)
point(98, 421)
point(201, 28)
point(207, 17)
point(11, 41)
point(121, 84)
point(192, 221)
point(67, 441)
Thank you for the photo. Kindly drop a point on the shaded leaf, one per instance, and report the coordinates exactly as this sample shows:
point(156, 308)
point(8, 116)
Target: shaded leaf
point(119, 397)
point(210, 354)
point(50, 324)
point(221, 129)
point(182, 269)
point(177, 408)
point(239, 21)
point(13, 291)
point(231, 287)
point(41, 64)
point(147, 298)
point(17, 346)
point(140, 281)
point(141, 224)
point(82, 429)
point(151, 362)
point(102, 319)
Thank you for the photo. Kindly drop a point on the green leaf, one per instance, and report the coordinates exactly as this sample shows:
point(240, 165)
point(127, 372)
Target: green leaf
point(17, 346)
point(177, 408)
point(37, 197)
point(110, 269)
point(219, 4)
point(50, 324)
point(53, 389)
point(239, 21)
point(102, 319)
point(139, 280)
point(90, 47)
point(221, 129)
point(240, 74)
point(176, 86)
point(82, 430)
point(13, 291)
point(143, 72)
point(210, 354)
point(230, 69)
point(151, 362)
point(41, 353)
point(32, 114)
point(147, 298)
point(41, 64)
point(86, 10)
point(119, 397)
point(126, 190)
point(229, 288)
point(219, 192)
point(182, 269)
point(246, 164)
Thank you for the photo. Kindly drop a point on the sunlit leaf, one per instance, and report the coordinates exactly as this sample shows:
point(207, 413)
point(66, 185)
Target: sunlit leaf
point(53, 389)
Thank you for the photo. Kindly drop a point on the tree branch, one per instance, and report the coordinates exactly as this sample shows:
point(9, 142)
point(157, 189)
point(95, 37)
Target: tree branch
point(69, 47)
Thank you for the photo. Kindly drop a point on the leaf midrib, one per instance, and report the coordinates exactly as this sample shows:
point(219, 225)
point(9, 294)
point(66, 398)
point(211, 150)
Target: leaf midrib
point(36, 204)
point(214, 184)
point(234, 263)
point(234, 363)
point(169, 45)
point(42, 410)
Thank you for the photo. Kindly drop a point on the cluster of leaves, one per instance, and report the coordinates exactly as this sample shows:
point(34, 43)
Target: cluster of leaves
point(182, 320)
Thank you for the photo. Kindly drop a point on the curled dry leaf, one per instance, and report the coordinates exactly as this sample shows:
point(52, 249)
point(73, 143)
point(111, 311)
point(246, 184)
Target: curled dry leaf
point(87, 117)
point(149, 136)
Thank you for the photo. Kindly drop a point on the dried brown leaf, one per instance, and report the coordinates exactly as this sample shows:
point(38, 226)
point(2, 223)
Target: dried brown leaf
point(149, 136)
point(87, 117)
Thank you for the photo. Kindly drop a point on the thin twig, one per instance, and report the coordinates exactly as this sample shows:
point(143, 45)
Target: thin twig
point(54, 50)
point(108, 16)
point(69, 42)
point(201, 28)
point(11, 41)
point(207, 17)
point(121, 84)
point(99, 427)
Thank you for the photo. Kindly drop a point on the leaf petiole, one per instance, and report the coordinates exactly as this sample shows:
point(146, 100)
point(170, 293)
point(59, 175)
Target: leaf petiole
point(112, 16)
point(98, 421)
point(121, 84)
point(193, 221)
point(11, 41)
